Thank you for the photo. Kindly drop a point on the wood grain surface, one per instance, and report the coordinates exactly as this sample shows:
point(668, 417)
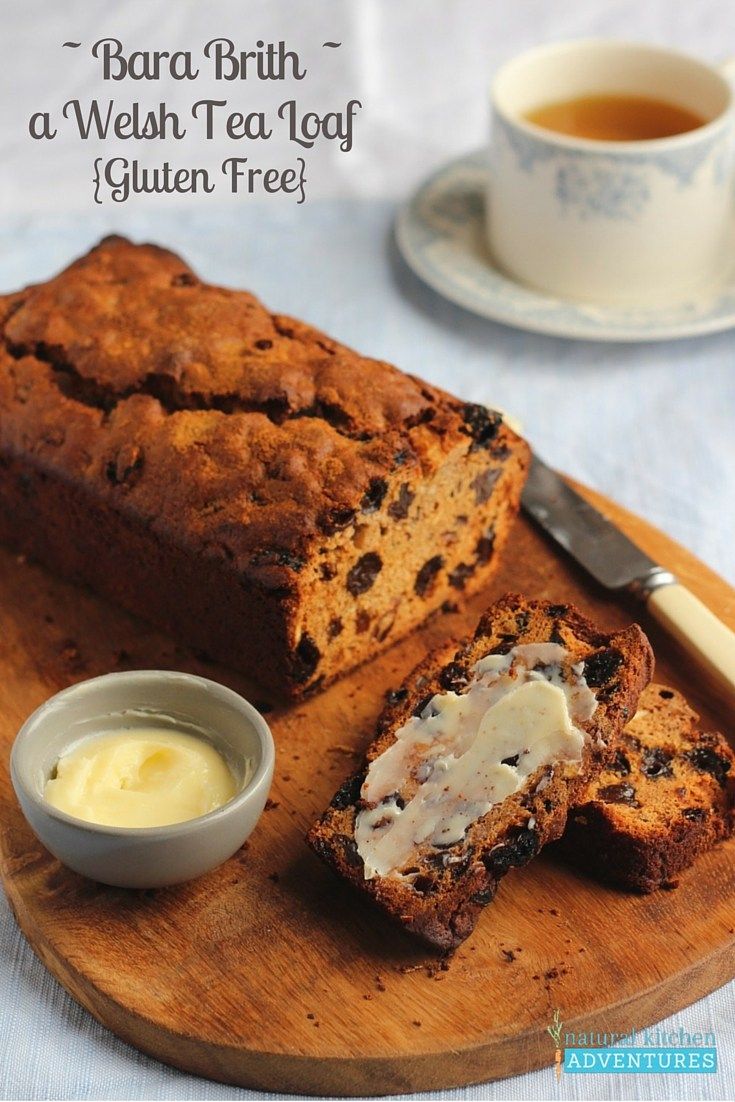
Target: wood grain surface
point(269, 973)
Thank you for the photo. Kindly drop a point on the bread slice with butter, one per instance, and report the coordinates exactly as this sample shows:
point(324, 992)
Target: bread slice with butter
point(477, 759)
point(667, 796)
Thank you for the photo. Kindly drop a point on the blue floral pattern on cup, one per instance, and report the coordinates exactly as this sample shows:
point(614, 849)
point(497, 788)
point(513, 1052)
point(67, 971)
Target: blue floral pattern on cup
point(602, 192)
point(530, 151)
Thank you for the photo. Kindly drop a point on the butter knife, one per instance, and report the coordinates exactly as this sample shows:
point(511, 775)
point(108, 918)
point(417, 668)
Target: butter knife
point(618, 564)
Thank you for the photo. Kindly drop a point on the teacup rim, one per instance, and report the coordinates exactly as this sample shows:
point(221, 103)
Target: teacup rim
point(620, 148)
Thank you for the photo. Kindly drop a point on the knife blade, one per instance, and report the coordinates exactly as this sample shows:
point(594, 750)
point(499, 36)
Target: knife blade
point(617, 563)
point(589, 537)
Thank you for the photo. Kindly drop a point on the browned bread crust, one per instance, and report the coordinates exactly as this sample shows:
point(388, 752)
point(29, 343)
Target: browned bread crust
point(236, 476)
point(454, 884)
point(667, 796)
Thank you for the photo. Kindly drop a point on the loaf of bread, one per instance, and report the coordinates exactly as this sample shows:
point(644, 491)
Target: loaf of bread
point(477, 759)
point(237, 477)
point(667, 796)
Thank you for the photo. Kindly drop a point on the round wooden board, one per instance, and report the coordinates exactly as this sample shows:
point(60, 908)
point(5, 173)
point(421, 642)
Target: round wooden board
point(268, 972)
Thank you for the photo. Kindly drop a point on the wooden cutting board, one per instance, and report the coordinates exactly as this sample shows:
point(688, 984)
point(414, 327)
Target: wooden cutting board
point(271, 974)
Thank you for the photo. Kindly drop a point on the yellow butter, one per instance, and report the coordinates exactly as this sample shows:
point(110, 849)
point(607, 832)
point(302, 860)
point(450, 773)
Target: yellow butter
point(142, 777)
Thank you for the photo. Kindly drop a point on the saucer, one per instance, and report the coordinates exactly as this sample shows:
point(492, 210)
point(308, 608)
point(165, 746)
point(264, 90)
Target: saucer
point(441, 234)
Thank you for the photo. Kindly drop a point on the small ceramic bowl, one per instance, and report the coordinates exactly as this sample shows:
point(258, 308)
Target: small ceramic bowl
point(144, 857)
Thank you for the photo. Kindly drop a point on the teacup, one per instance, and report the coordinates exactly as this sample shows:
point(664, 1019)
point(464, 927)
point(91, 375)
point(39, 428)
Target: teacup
point(631, 222)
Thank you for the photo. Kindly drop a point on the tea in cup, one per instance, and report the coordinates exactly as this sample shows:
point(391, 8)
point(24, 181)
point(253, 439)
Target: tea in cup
point(611, 172)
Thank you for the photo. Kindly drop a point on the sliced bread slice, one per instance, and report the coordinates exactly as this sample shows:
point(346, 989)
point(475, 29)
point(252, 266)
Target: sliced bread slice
point(477, 759)
point(667, 796)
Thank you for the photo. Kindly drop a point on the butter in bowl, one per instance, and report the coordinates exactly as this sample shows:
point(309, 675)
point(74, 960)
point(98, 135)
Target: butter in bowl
point(145, 778)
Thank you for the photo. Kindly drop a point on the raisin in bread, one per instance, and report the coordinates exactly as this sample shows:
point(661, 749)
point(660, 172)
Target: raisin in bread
point(667, 796)
point(477, 759)
point(235, 476)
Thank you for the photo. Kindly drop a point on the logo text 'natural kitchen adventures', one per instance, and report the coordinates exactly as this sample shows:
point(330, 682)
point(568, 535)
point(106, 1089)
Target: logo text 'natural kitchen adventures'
point(647, 1051)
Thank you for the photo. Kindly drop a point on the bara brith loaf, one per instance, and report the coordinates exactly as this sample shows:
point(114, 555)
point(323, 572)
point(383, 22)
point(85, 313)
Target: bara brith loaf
point(235, 476)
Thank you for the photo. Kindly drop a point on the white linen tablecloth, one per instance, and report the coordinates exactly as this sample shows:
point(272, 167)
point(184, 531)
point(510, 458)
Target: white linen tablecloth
point(650, 425)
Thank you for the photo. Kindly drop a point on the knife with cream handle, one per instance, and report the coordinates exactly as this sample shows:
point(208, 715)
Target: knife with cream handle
point(617, 563)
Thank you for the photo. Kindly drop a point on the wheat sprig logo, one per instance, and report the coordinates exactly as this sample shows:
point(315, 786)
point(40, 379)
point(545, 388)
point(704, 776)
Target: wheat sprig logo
point(554, 1031)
